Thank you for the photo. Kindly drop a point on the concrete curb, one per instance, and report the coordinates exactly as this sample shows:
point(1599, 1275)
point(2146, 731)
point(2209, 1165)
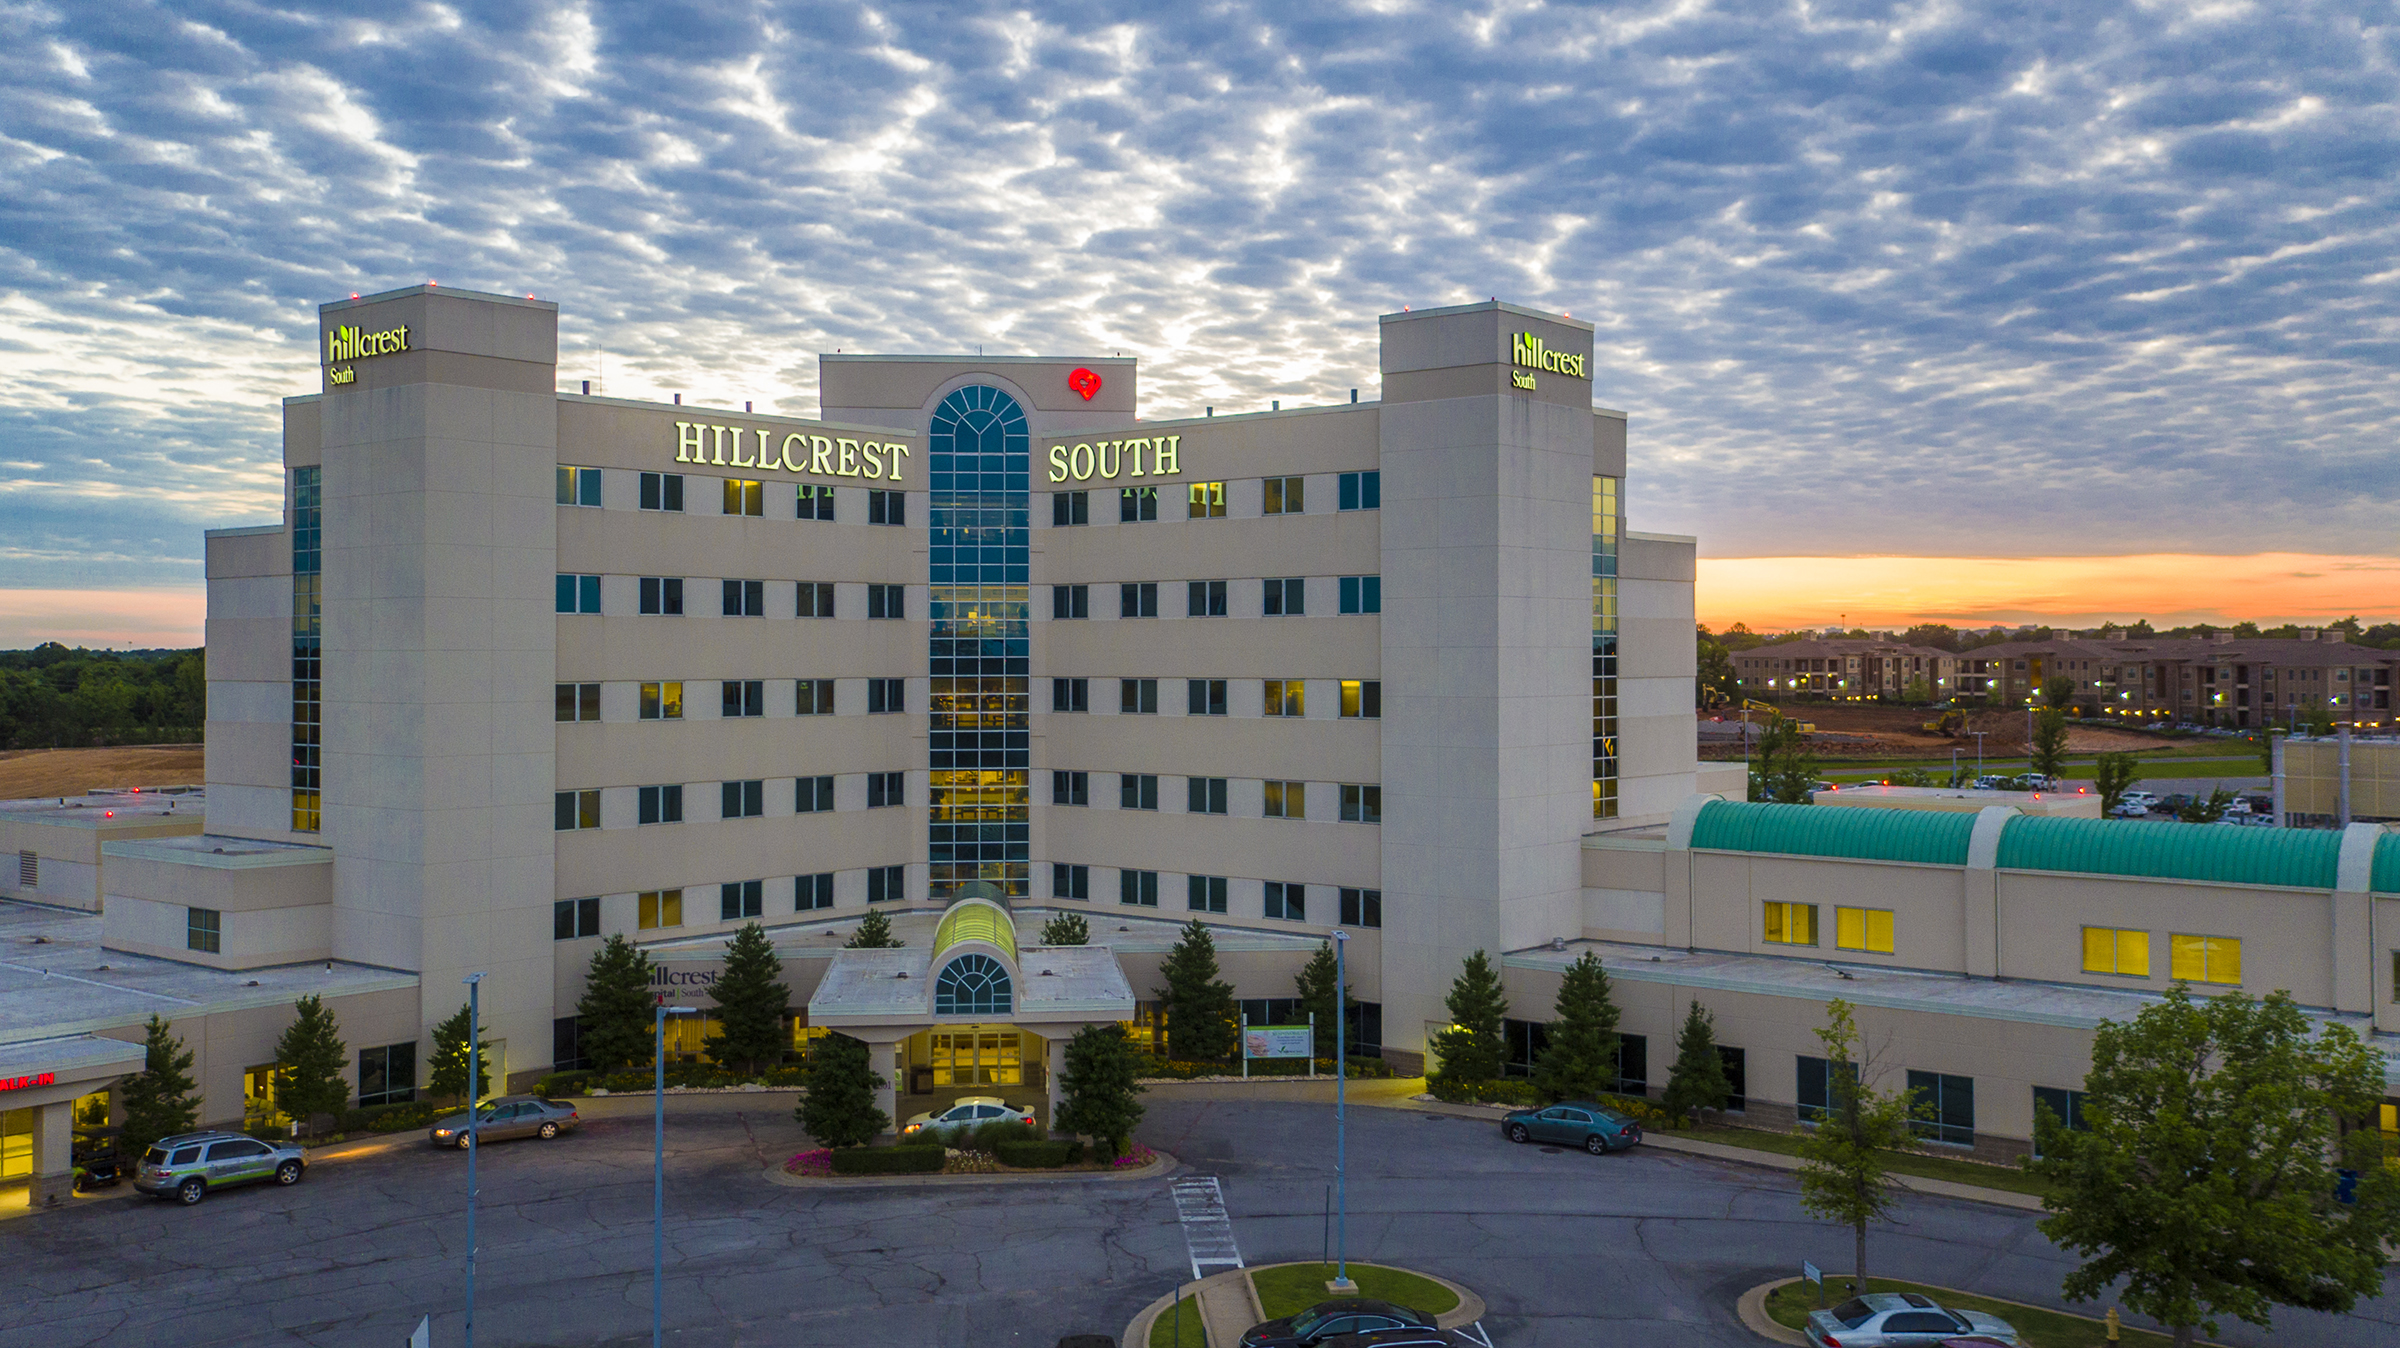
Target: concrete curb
point(1137, 1331)
point(1753, 1310)
point(1162, 1164)
point(1470, 1308)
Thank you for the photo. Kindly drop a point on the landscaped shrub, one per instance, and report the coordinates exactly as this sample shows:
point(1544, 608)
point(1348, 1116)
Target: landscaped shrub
point(991, 1135)
point(1483, 1092)
point(794, 1075)
point(562, 1085)
point(888, 1161)
point(1153, 1067)
point(1046, 1154)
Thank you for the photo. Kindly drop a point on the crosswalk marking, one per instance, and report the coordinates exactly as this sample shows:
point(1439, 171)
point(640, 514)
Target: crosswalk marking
point(1207, 1230)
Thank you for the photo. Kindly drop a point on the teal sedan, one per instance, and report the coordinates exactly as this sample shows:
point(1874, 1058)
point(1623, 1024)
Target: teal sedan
point(1573, 1123)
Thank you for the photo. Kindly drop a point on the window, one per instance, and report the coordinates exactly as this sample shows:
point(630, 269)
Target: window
point(1204, 697)
point(1362, 804)
point(572, 918)
point(745, 497)
point(1070, 601)
point(1362, 594)
point(1137, 600)
point(1284, 495)
point(812, 697)
point(883, 695)
point(1948, 1103)
point(1287, 800)
point(1207, 795)
point(387, 1075)
point(1137, 791)
point(738, 899)
point(887, 601)
point(887, 884)
point(2108, 950)
point(1285, 597)
point(2064, 1105)
point(576, 810)
point(812, 795)
point(658, 908)
point(1070, 695)
point(1737, 1078)
point(745, 599)
point(886, 788)
point(1362, 491)
point(816, 599)
point(1205, 501)
point(1792, 923)
point(810, 893)
point(1205, 893)
point(578, 486)
point(1286, 697)
point(578, 702)
point(1137, 503)
point(887, 507)
point(1070, 788)
point(1070, 508)
point(1362, 907)
point(972, 985)
point(1522, 1043)
point(743, 697)
point(1204, 599)
point(663, 491)
point(1137, 697)
point(1814, 1095)
point(2205, 959)
point(662, 595)
point(816, 501)
point(1138, 887)
point(1070, 882)
point(203, 930)
point(1287, 902)
point(1362, 699)
point(660, 804)
point(1633, 1064)
point(1863, 929)
point(578, 594)
point(741, 800)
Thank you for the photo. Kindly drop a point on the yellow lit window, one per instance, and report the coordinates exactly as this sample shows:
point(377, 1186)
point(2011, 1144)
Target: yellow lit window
point(2207, 959)
point(662, 701)
point(1792, 923)
point(2107, 950)
point(1863, 929)
point(744, 497)
point(2389, 1120)
point(305, 815)
point(661, 908)
point(1207, 501)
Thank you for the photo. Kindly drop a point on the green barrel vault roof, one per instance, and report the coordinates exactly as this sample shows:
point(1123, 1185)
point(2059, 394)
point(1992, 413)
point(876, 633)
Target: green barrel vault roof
point(1861, 833)
point(2387, 864)
point(2291, 857)
point(975, 920)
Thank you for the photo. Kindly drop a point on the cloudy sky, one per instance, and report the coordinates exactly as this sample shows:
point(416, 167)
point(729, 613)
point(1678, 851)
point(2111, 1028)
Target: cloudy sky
point(1908, 280)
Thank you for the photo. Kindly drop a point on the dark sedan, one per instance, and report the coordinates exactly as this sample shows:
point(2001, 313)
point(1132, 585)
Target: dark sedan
point(1325, 1320)
point(1573, 1123)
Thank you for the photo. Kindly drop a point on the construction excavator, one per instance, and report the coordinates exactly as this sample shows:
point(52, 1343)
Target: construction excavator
point(1948, 725)
point(1773, 713)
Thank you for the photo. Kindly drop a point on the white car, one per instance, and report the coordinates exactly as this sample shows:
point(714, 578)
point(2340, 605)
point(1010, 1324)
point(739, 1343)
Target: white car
point(1898, 1319)
point(968, 1111)
point(2145, 799)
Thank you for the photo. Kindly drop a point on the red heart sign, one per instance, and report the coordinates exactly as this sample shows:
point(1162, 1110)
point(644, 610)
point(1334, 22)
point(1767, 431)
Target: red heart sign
point(1084, 382)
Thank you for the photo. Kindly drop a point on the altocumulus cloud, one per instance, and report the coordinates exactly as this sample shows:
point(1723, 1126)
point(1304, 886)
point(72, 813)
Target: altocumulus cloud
point(1938, 277)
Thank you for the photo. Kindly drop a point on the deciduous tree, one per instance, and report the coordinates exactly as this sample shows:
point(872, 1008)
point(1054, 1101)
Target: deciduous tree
point(1786, 771)
point(616, 1010)
point(2114, 776)
point(839, 1109)
point(752, 1003)
point(1845, 1173)
point(1697, 1081)
point(1473, 1048)
point(2050, 743)
point(1201, 1016)
point(161, 1100)
point(1099, 1091)
point(1580, 1059)
point(310, 1060)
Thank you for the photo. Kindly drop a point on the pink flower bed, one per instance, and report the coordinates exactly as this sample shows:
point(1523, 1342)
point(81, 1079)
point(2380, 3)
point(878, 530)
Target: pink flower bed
point(1135, 1159)
point(818, 1163)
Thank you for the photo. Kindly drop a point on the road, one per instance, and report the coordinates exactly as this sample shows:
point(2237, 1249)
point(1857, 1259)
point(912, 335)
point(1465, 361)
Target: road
point(1647, 1247)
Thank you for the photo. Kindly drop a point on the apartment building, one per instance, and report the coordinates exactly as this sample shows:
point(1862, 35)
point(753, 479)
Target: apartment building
point(1846, 668)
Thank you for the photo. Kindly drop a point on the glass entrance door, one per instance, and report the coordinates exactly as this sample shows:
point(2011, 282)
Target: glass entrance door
point(977, 1057)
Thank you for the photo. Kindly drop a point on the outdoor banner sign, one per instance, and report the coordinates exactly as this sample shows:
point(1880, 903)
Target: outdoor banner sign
point(1278, 1041)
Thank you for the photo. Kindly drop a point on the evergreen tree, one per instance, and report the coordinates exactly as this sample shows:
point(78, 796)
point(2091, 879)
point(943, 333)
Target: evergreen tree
point(1580, 1060)
point(162, 1100)
point(752, 1003)
point(616, 1012)
point(874, 933)
point(1697, 1081)
point(1845, 1169)
point(1314, 983)
point(450, 1058)
point(1473, 1049)
point(1097, 1089)
point(1067, 929)
point(1786, 771)
point(2050, 743)
point(310, 1060)
point(839, 1109)
point(1201, 1015)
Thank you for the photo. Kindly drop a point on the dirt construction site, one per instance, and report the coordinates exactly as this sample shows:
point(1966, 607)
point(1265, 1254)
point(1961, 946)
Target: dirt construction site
point(1874, 730)
point(28, 773)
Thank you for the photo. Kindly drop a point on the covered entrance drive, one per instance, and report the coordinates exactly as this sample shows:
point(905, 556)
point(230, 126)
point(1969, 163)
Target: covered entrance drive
point(948, 1062)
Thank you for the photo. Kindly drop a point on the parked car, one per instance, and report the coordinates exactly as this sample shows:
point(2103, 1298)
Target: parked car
point(1901, 1320)
point(1327, 1319)
point(2130, 809)
point(968, 1111)
point(189, 1165)
point(2144, 799)
point(1413, 1337)
point(1574, 1123)
point(507, 1117)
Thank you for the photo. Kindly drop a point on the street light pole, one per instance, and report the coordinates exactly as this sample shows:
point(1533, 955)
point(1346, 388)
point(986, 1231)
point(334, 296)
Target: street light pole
point(658, 1173)
point(1341, 1094)
point(474, 984)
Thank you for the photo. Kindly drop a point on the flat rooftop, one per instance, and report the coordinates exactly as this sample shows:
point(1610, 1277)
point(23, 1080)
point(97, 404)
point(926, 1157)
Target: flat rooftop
point(96, 809)
point(56, 980)
point(1130, 933)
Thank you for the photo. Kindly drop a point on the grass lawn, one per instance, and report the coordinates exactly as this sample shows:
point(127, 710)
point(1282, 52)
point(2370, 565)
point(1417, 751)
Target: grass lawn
point(1920, 1164)
point(1790, 1304)
point(1166, 1329)
point(1296, 1287)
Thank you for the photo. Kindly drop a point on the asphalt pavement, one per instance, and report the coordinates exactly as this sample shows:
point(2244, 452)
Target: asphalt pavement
point(1647, 1247)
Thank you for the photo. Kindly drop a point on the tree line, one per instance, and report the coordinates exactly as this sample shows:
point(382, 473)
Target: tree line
point(58, 697)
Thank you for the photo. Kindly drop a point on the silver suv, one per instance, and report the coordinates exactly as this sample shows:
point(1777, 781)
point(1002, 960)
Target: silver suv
point(191, 1164)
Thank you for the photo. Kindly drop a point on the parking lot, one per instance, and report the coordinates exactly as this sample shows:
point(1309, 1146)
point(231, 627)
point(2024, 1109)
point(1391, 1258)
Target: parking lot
point(1646, 1247)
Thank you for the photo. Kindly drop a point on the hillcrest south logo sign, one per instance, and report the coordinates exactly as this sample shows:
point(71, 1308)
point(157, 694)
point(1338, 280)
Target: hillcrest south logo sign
point(346, 344)
point(1528, 352)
